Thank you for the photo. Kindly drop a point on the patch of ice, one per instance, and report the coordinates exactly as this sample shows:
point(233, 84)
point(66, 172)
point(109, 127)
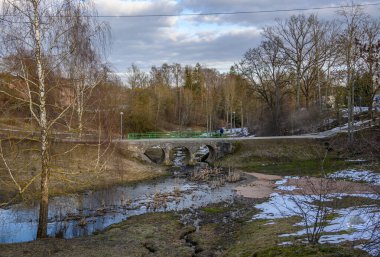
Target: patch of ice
point(357, 176)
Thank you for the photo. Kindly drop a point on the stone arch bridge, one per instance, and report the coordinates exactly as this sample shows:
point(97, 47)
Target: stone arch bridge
point(217, 148)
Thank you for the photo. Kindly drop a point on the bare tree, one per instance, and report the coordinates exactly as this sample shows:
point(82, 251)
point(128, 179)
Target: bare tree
point(369, 55)
point(210, 81)
point(39, 32)
point(176, 71)
point(351, 26)
point(87, 38)
point(137, 78)
point(266, 69)
point(296, 39)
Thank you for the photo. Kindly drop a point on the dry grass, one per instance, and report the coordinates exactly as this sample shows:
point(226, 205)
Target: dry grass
point(74, 168)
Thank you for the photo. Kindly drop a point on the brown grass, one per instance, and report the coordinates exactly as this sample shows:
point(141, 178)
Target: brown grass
point(74, 168)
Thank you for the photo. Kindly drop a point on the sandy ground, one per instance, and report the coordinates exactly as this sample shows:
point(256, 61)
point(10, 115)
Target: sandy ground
point(261, 186)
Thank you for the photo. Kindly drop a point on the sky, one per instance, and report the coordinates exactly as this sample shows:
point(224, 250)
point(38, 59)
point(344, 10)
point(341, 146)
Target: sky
point(214, 41)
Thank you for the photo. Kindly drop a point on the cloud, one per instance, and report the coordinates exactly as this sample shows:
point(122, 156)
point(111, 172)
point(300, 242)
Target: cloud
point(120, 7)
point(214, 41)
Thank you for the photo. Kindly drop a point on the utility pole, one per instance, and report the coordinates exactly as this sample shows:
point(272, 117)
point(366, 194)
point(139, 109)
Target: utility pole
point(121, 125)
point(234, 119)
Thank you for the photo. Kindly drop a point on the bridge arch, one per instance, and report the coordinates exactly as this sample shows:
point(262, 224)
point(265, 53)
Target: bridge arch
point(180, 155)
point(205, 153)
point(155, 154)
point(211, 153)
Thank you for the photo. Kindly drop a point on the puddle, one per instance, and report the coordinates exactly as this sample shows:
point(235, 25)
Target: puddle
point(83, 214)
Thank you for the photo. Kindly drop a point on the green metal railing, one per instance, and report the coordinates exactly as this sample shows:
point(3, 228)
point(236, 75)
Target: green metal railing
point(175, 134)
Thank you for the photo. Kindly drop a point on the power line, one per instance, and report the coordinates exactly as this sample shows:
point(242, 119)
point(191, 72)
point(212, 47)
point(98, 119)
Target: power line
point(234, 13)
point(213, 13)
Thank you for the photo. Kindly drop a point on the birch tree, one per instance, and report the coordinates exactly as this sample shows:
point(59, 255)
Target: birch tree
point(39, 32)
point(87, 39)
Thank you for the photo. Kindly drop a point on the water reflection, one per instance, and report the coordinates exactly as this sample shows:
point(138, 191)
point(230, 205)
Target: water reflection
point(180, 156)
point(83, 214)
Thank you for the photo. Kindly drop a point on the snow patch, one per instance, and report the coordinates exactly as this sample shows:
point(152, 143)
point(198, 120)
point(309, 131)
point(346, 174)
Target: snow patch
point(287, 188)
point(357, 176)
point(356, 223)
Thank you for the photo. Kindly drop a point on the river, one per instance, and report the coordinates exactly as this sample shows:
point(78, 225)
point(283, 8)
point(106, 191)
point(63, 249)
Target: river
point(83, 214)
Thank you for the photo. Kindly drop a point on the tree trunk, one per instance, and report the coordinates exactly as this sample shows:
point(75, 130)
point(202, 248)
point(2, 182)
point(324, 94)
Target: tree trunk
point(307, 100)
point(298, 89)
point(80, 106)
point(44, 201)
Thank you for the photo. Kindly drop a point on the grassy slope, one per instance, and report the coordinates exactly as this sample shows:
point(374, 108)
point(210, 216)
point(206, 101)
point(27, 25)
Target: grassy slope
point(304, 156)
point(74, 167)
point(281, 157)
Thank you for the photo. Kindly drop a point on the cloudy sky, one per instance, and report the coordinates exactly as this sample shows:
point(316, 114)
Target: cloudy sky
point(215, 41)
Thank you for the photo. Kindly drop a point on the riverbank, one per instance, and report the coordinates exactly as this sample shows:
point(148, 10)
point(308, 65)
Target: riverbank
point(306, 156)
point(221, 230)
point(74, 168)
point(227, 228)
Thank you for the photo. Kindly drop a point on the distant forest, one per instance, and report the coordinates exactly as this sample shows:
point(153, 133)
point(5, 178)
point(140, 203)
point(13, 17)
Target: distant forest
point(298, 79)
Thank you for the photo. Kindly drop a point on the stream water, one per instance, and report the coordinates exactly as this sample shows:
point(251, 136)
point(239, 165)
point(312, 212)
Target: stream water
point(83, 214)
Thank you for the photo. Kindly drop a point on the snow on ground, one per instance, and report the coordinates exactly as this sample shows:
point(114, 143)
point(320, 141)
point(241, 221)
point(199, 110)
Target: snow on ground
point(355, 110)
point(357, 160)
point(357, 176)
point(285, 180)
point(344, 128)
point(349, 224)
